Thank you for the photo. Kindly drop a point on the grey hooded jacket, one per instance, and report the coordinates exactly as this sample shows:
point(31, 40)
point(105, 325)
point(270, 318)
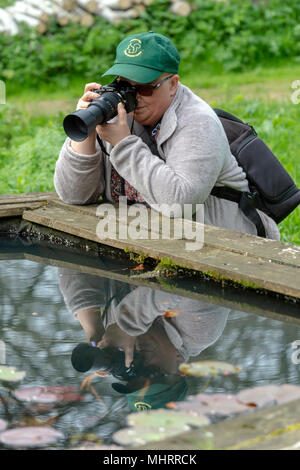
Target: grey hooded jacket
point(191, 157)
point(197, 326)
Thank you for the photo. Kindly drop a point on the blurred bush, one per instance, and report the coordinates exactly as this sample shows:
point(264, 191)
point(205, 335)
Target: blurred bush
point(230, 34)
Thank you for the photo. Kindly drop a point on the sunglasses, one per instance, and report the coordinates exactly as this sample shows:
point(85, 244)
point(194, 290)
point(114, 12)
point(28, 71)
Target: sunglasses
point(147, 90)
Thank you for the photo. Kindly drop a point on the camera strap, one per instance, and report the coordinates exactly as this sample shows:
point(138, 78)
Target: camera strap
point(246, 202)
point(100, 142)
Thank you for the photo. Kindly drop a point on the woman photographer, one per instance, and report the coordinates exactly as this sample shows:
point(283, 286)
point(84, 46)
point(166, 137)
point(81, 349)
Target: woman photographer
point(171, 149)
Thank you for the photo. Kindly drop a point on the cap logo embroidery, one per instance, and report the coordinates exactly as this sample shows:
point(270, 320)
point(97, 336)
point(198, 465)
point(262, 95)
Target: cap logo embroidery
point(134, 48)
point(141, 406)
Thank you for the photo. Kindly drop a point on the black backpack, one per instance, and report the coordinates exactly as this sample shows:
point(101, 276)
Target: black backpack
point(272, 189)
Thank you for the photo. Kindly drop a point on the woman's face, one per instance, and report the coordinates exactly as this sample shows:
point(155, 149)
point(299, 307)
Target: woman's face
point(150, 109)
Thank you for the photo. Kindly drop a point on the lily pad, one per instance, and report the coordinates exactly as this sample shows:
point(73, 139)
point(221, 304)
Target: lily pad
point(156, 425)
point(165, 418)
point(287, 392)
point(10, 374)
point(220, 404)
point(258, 396)
point(37, 436)
point(3, 424)
point(208, 368)
point(48, 394)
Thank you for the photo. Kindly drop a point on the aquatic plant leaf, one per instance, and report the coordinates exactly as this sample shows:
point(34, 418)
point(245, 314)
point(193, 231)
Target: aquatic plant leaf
point(140, 436)
point(213, 404)
point(287, 392)
point(157, 425)
point(258, 396)
point(249, 399)
point(48, 394)
point(3, 425)
point(208, 368)
point(65, 393)
point(10, 374)
point(30, 437)
point(165, 418)
point(190, 406)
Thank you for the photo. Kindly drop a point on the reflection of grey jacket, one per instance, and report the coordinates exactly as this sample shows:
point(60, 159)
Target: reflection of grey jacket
point(192, 156)
point(195, 326)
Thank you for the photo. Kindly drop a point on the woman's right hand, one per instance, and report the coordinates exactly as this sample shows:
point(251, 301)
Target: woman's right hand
point(88, 95)
point(88, 146)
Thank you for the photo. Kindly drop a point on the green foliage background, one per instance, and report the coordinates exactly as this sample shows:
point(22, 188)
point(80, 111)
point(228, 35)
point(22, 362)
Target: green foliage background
point(229, 33)
point(222, 45)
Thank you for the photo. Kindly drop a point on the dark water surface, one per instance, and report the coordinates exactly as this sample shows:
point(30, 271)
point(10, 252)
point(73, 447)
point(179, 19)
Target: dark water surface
point(39, 330)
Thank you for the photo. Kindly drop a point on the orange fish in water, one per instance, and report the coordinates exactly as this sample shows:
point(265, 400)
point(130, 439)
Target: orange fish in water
point(171, 313)
point(140, 267)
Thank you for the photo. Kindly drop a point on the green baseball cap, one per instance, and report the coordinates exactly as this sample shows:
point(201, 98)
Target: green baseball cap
point(154, 395)
point(144, 57)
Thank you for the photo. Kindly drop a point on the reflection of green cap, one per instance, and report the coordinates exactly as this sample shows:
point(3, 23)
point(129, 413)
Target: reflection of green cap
point(155, 395)
point(144, 57)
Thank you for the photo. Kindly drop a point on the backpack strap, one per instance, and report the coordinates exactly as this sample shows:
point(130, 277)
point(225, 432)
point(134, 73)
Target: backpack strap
point(246, 202)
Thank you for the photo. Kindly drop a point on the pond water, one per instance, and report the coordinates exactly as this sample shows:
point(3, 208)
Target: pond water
point(47, 310)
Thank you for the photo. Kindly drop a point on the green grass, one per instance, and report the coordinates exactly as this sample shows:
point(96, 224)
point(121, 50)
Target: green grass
point(31, 131)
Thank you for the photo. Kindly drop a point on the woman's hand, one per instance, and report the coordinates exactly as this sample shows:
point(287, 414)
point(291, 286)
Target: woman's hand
point(88, 95)
point(91, 322)
point(88, 146)
point(116, 131)
point(117, 338)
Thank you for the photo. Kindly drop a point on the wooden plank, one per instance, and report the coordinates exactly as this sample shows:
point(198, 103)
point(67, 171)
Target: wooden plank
point(272, 250)
point(13, 205)
point(217, 262)
point(221, 238)
point(273, 428)
point(26, 197)
point(13, 210)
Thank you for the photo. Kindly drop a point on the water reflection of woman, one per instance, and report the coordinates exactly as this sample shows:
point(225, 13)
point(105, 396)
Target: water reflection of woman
point(165, 329)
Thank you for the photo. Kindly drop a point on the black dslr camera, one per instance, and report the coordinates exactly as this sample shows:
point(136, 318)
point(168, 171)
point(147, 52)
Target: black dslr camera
point(80, 124)
point(86, 358)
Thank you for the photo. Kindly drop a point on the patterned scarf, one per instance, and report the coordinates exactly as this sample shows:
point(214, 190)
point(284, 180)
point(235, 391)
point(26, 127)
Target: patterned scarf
point(120, 187)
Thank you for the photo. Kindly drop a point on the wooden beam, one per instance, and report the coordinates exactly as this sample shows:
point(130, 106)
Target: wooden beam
point(221, 238)
point(12, 205)
point(26, 197)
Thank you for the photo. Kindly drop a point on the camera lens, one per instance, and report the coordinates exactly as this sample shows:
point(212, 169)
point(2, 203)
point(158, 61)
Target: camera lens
point(87, 358)
point(80, 124)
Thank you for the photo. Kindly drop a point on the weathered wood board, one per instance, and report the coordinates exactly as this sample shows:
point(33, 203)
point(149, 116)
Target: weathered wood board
point(12, 205)
point(228, 255)
point(272, 428)
point(225, 239)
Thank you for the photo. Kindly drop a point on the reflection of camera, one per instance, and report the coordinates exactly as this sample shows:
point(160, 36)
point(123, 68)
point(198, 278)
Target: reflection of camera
point(88, 358)
point(80, 124)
